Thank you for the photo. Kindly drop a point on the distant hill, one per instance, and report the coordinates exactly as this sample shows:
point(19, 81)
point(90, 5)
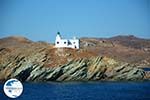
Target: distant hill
point(123, 48)
point(116, 58)
point(132, 41)
point(129, 49)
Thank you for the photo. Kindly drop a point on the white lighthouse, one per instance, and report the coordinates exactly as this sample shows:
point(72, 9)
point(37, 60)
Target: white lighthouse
point(66, 43)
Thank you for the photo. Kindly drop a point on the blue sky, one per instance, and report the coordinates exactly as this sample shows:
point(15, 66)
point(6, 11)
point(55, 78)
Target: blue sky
point(40, 20)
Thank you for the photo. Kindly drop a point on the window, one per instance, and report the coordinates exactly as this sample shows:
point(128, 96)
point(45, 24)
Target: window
point(64, 42)
point(57, 42)
point(69, 43)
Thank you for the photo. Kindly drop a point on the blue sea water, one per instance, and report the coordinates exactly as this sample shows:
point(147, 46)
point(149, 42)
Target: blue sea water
point(83, 91)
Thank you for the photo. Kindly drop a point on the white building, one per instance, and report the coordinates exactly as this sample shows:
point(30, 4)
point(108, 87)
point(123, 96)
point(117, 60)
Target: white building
point(67, 43)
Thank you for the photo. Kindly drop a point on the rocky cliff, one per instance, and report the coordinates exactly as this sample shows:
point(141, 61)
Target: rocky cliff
point(98, 68)
point(39, 61)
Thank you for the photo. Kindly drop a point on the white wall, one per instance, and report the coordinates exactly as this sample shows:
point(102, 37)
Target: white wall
point(71, 43)
point(75, 43)
point(61, 43)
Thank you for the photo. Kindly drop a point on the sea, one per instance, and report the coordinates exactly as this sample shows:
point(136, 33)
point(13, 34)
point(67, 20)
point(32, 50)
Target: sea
point(83, 91)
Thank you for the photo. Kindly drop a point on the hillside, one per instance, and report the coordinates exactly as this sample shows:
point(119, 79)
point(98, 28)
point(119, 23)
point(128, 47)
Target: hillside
point(123, 48)
point(98, 59)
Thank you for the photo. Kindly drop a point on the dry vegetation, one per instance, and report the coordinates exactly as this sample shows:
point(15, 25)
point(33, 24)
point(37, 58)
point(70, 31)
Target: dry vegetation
point(127, 49)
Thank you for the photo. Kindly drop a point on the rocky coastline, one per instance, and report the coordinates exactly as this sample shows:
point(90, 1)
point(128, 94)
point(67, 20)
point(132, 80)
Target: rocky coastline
point(41, 62)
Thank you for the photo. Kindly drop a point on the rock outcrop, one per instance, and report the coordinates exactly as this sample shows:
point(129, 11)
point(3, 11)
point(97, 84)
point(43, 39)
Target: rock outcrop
point(98, 68)
point(40, 61)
